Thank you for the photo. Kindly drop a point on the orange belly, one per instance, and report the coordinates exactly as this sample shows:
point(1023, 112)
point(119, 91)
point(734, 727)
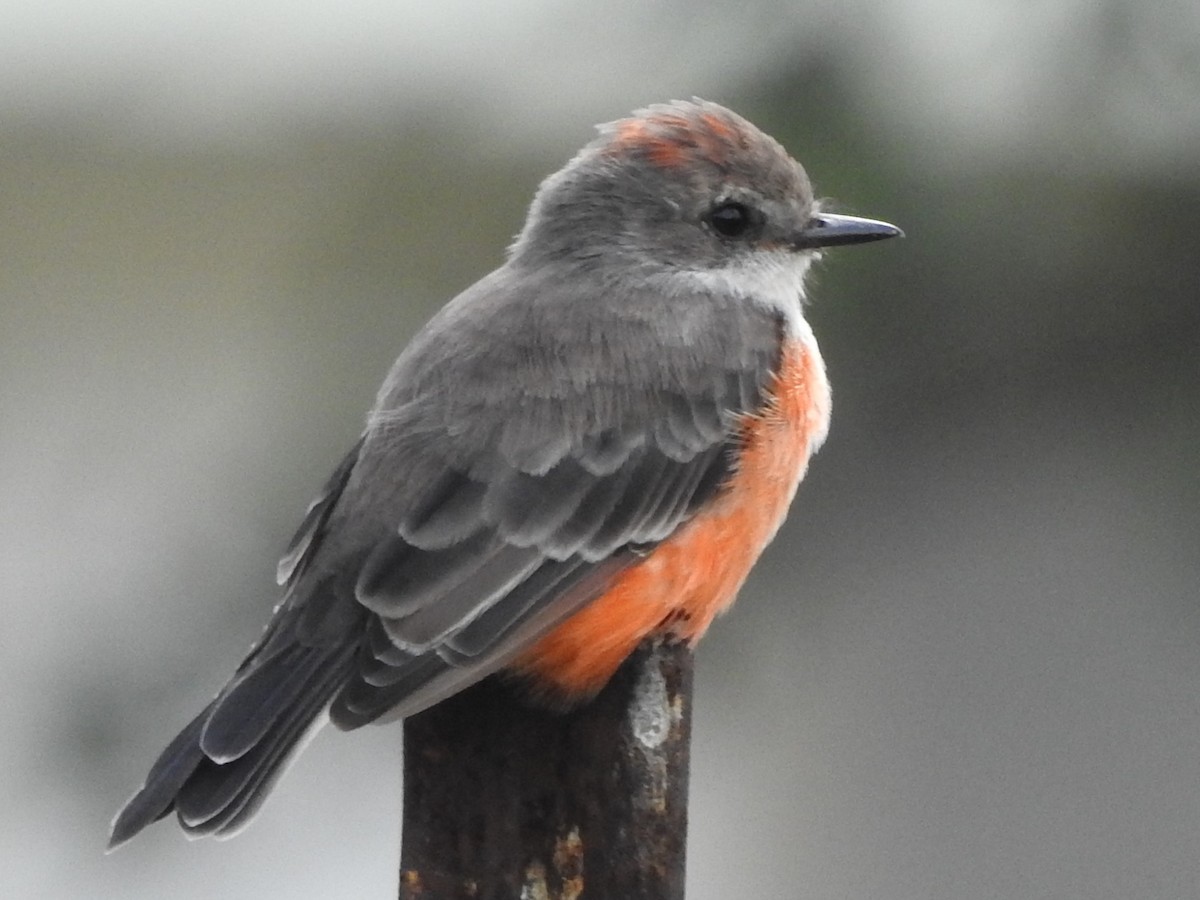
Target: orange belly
point(694, 575)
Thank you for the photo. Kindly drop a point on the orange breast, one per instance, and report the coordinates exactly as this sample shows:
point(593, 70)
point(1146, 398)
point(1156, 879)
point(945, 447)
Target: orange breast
point(695, 574)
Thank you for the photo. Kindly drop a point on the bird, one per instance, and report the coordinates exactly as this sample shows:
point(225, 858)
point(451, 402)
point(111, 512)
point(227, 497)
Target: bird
point(587, 448)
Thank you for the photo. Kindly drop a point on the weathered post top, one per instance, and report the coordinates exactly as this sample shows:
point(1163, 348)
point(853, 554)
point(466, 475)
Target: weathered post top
point(503, 801)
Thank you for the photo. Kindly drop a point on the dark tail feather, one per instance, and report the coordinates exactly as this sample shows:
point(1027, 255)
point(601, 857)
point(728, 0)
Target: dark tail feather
point(248, 708)
point(220, 798)
point(157, 797)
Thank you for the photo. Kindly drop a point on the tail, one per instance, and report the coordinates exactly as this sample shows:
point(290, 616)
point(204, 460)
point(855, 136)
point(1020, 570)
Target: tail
point(219, 769)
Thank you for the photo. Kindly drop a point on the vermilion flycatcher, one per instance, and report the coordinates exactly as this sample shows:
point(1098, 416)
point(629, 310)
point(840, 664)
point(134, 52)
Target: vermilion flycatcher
point(588, 447)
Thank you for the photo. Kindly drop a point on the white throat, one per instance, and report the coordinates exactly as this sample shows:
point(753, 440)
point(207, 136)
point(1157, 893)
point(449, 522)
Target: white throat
point(773, 279)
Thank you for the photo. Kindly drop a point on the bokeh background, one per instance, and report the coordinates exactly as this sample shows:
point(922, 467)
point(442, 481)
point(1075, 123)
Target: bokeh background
point(969, 667)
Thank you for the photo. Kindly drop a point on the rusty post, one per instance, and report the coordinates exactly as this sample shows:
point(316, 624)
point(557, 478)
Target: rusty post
point(503, 801)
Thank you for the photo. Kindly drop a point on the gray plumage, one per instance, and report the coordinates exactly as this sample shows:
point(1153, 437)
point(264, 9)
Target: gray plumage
point(538, 435)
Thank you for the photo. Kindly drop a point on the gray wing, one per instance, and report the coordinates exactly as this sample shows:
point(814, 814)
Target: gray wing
point(539, 547)
point(521, 480)
point(523, 452)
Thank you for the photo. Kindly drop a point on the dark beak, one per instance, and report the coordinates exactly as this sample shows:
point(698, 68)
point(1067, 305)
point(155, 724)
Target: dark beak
point(828, 230)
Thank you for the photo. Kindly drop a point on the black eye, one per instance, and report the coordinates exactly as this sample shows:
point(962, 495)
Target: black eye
point(735, 220)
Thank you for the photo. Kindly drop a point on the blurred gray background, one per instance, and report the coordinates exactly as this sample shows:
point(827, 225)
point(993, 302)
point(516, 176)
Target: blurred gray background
point(970, 665)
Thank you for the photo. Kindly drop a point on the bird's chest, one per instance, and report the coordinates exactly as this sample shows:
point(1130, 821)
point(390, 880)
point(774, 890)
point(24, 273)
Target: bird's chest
point(778, 441)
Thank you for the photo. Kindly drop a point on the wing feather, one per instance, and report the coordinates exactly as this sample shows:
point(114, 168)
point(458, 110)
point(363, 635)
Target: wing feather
point(449, 512)
point(528, 509)
point(552, 578)
point(291, 563)
point(398, 579)
point(427, 627)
